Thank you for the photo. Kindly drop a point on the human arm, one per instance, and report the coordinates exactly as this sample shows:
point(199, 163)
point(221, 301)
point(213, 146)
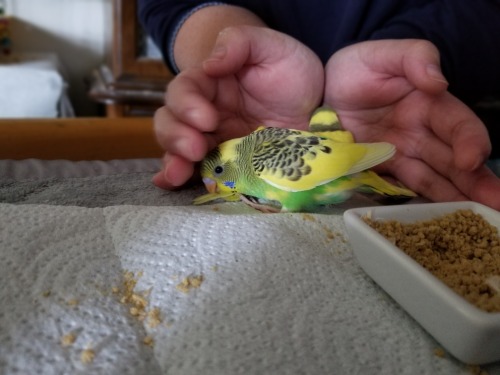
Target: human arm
point(196, 38)
point(245, 83)
point(193, 43)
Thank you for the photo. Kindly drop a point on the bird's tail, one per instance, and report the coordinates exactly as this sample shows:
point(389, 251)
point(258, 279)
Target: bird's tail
point(325, 123)
point(369, 181)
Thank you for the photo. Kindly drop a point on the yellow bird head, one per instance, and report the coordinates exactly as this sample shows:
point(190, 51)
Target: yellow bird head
point(219, 173)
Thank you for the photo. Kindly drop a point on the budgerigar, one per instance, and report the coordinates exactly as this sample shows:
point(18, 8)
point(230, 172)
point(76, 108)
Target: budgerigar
point(277, 169)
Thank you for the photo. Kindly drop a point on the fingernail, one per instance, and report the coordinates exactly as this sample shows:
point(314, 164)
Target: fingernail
point(156, 176)
point(218, 52)
point(435, 73)
point(159, 180)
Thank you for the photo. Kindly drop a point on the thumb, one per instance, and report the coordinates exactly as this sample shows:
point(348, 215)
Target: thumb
point(238, 46)
point(231, 51)
point(421, 65)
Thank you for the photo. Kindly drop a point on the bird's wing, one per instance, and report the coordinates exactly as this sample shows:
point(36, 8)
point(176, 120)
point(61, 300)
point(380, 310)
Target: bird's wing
point(295, 160)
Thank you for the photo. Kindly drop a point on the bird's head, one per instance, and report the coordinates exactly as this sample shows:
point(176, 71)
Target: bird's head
point(220, 174)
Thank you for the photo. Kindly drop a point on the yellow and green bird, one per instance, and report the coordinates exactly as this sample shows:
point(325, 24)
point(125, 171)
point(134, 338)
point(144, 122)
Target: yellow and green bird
point(278, 169)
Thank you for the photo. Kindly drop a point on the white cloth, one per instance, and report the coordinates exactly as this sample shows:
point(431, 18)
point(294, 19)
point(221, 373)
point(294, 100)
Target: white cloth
point(281, 294)
point(32, 85)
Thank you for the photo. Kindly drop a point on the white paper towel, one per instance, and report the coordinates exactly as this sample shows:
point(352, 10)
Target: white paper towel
point(281, 294)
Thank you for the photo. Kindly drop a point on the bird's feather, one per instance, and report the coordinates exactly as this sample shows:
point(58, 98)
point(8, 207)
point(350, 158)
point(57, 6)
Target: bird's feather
point(295, 160)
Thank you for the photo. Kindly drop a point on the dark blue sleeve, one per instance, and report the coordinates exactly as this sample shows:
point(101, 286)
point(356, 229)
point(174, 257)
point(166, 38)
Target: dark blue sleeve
point(160, 19)
point(467, 33)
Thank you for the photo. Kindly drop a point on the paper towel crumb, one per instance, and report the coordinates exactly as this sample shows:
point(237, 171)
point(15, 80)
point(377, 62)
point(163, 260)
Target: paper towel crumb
point(68, 339)
point(87, 356)
point(190, 282)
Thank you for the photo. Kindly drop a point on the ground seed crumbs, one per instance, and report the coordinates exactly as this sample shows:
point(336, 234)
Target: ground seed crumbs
point(190, 282)
point(68, 339)
point(73, 302)
point(477, 370)
point(137, 301)
point(462, 249)
point(87, 356)
point(308, 217)
point(439, 352)
point(154, 317)
point(148, 341)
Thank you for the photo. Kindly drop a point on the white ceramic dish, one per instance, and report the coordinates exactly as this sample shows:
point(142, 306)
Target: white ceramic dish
point(470, 334)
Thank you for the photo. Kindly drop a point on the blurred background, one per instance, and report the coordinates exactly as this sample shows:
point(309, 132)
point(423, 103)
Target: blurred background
point(88, 58)
point(107, 66)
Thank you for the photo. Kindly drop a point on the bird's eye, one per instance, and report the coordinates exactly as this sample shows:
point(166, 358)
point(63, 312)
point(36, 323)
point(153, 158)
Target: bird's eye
point(218, 169)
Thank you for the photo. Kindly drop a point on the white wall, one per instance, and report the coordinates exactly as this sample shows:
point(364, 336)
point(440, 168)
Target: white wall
point(78, 31)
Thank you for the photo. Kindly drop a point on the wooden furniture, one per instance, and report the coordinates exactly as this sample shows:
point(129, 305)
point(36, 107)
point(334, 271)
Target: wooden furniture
point(135, 82)
point(78, 139)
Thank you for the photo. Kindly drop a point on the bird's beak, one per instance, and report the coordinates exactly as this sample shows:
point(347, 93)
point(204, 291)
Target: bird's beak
point(210, 184)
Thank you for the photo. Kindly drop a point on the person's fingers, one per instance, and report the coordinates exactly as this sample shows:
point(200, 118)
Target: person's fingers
point(478, 184)
point(482, 186)
point(184, 145)
point(456, 124)
point(371, 73)
point(189, 97)
point(178, 138)
point(263, 60)
point(236, 47)
point(432, 172)
point(416, 60)
point(422, 179)
point(441, 125)
point(160, 180)
point(421, 64)
point(176, 172)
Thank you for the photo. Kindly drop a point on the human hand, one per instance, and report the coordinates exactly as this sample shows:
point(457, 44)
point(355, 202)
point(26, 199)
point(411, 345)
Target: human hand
point(394, 91)
point(254, 76)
